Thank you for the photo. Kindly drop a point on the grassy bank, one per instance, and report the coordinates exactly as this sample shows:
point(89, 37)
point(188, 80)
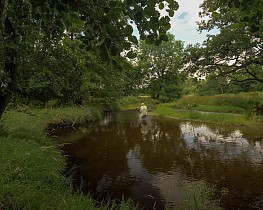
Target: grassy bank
point(233, 103)
point(238, 110)
point(134, 102)
point(32, 166)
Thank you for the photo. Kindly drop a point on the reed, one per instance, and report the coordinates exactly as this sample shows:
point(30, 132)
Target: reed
point(199, 195)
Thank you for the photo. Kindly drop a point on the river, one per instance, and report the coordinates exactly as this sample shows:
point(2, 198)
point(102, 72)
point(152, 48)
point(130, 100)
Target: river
point(122, 157)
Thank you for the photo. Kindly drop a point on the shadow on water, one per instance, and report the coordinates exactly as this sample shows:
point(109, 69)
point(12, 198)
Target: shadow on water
point(122, 156)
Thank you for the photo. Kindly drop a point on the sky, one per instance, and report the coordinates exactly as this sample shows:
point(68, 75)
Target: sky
point(184, 25)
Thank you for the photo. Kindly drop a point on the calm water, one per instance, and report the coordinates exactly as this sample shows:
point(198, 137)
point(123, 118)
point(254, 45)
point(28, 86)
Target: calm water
point(124, 157)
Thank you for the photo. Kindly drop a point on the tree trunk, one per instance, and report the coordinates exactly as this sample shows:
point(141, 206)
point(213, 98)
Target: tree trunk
point(10, 66)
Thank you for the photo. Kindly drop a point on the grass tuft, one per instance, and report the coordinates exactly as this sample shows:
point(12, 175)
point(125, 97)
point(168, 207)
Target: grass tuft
point(199, 196)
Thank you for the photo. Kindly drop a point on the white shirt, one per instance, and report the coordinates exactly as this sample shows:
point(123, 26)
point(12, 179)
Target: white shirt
point(143, 110)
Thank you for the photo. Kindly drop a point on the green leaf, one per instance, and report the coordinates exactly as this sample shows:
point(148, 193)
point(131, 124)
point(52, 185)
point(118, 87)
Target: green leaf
point(154, 23)
point(149, 10)
point(131, 55)
point(161, 5)
point(170, 12)
point(164, 37)
point(142, 36)
point(236, 25)
point(215, 14)
point(166, 27)
point(133, 39)
point(126, 45)
point(164, 20)
point(149, 39)
point(128, 30)
point(158, 42)
point(138, 16)
point(173, 4)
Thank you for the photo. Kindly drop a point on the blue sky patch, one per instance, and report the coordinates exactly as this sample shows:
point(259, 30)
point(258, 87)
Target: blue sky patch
point(182, 15)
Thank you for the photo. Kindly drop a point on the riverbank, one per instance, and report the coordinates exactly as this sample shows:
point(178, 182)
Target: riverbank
point(238, 110)
point(32, 165)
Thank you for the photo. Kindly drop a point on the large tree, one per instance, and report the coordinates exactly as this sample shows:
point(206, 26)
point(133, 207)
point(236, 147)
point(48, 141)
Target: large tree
point(236, 52)
point(160, 67)
point(106, 29)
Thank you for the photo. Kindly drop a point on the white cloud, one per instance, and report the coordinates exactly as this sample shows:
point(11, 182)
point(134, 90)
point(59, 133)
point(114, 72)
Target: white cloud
point(184, 25)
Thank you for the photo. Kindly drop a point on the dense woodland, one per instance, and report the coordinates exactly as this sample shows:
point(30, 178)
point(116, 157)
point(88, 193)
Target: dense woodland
point(84, 51)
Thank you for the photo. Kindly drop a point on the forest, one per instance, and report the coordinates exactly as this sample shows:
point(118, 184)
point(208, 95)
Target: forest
point(66, 53)
point(74, 54)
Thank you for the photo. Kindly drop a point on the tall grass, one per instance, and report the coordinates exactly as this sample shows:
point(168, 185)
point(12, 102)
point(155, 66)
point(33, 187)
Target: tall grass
point(199, 196)
point(31, 165)
point(245, 101)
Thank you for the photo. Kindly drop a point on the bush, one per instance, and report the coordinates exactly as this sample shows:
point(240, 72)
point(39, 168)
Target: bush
point(134, 102)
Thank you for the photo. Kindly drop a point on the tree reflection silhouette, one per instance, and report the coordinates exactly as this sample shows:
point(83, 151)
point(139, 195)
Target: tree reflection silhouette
point(122, 155)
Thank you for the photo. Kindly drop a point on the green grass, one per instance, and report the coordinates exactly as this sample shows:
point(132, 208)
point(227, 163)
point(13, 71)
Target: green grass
point(220, 109)
point(243, 101)
point(199, 196)
point(239, 109)
point(31, 165)
point(222, 118)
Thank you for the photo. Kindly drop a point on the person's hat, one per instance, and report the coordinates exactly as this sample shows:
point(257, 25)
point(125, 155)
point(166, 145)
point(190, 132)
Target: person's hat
point(142, 104)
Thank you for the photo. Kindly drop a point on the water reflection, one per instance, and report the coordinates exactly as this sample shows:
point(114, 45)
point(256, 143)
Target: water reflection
point(230, 144)
point(123, 156)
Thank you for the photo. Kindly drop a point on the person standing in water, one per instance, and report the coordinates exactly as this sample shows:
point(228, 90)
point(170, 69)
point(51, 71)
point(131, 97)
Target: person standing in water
point(143, 110)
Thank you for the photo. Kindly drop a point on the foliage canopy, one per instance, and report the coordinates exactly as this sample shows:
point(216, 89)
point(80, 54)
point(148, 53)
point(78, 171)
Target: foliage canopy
point(105, 28)
point(236, 51)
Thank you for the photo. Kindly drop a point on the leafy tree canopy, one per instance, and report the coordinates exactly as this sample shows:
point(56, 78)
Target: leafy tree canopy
point(104, 26)
point(236, 13)
point(234, 53)
point(160, 67)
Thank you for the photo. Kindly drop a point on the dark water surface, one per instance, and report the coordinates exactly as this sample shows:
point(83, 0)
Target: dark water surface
point(124, 157)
